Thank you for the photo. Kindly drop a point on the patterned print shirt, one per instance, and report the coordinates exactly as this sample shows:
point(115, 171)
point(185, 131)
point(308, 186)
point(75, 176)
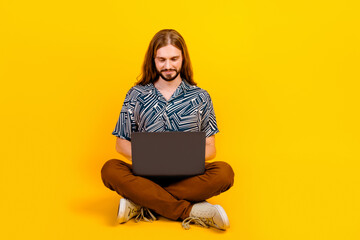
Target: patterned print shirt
point(189, 109)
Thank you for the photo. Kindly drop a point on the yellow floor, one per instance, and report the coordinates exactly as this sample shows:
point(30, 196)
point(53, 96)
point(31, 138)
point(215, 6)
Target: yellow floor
point(72, 203)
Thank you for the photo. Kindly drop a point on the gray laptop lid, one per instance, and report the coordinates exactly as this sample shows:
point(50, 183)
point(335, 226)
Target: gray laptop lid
point(168, 154)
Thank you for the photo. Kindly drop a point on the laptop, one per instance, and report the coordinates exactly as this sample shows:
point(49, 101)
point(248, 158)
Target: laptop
point(168, 154)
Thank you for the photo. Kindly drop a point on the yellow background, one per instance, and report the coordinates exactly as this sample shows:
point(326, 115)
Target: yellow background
point(284, 79)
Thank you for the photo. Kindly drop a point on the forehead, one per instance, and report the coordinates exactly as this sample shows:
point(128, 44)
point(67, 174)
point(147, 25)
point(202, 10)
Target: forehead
point(168, 51)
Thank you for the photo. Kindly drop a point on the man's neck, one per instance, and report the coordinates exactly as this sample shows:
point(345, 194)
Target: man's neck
point(161, 84)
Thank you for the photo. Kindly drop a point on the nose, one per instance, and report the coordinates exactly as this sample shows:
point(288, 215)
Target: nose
point(167, 64)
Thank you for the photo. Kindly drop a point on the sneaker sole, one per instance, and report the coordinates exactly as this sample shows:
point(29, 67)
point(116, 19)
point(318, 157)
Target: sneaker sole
point(223, 216)
point(121, 211)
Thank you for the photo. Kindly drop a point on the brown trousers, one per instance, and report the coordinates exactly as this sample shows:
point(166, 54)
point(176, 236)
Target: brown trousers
point(169, 198)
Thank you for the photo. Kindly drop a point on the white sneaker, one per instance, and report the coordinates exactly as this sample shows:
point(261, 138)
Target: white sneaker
point(206, 215)
point(127, 210)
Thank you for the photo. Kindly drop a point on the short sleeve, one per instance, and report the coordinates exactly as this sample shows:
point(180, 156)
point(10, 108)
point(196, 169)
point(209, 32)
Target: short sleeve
point(126, 122)
point(208, 123)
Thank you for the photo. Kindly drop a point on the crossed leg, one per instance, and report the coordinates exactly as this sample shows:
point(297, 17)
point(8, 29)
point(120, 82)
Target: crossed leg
point(172, 200)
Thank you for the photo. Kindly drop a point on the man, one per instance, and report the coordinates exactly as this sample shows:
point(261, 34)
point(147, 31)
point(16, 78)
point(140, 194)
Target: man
point(166, 98)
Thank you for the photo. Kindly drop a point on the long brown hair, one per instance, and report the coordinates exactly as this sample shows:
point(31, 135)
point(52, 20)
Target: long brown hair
point(162, 39)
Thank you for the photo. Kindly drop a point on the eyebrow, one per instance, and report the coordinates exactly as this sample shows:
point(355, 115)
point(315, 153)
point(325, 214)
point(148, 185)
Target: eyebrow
point(170, 57)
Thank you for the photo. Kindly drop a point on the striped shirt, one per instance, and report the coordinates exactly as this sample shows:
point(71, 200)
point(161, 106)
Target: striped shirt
point(189, 109)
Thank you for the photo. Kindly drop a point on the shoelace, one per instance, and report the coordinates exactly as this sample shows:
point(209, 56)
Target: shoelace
point(141, 216)
point(186, 223)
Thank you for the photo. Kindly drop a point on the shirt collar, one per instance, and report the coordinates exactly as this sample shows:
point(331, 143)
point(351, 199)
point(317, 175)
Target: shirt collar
point(185, 85)
point(182, 88)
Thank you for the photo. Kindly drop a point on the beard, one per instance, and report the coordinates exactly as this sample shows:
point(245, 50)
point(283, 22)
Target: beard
point(167, 77)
